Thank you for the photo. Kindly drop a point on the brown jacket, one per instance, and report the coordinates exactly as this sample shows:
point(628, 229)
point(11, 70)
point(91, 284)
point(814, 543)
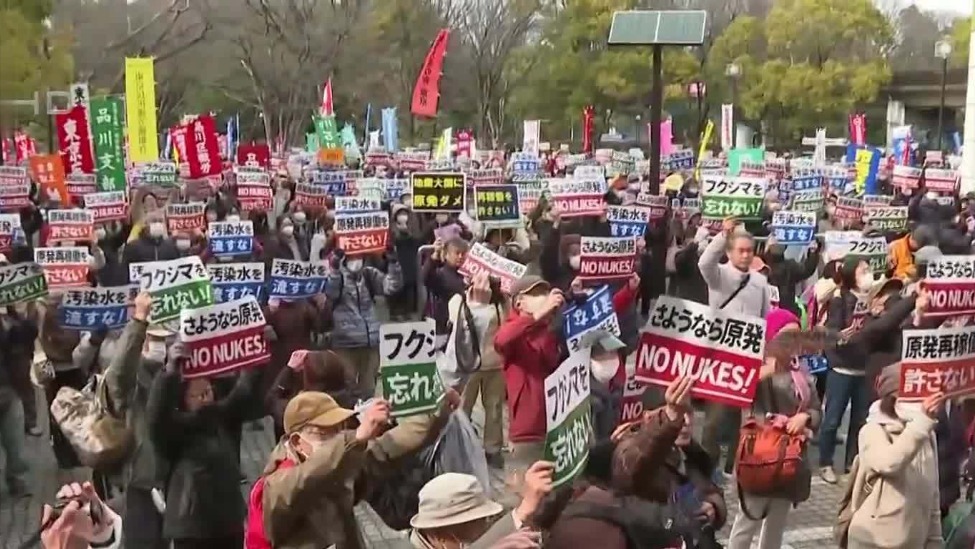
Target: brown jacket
point(310, 505)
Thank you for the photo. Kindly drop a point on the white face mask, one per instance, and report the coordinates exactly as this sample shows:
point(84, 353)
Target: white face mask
point(288, 231)
point(92, 263)
point(100, 233)
point(864, 282)
point(233, 217)
point(299, 217)
point(604, 369)
point(575, 261)
point(353, 265)
point(155, 352)
point(182, 244)
point(401, 221)
point(931, 195)
point(441, 218)
point(157, 229)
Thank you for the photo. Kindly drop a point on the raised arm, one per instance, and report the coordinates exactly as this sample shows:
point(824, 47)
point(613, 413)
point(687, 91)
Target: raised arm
point(708, 263)
point(122, 370)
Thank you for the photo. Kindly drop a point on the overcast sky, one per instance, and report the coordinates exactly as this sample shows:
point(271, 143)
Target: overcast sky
point(962, 6)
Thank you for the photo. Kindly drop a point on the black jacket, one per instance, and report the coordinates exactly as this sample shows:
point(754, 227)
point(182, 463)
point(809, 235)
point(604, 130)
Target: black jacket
point(840, 317)
point(785, 274)
point(879, 341)
point(203, 498)
point(688, 283)
point(443, 282)
point(146, 248)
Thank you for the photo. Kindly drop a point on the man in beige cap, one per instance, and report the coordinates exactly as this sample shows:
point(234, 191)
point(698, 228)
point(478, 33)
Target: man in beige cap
point(454, 511)
point(305, 496)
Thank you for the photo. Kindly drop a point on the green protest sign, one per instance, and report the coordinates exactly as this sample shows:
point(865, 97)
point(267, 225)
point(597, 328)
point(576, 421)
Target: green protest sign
point(328, 132)
point(21, 282)
point(739, 197)
point(162, 174)
point(408, 367)
point(175, 285)
point(886, 218)
point(106, 128)
point(568, 424)
point(311, 142)
point(807, 201)
point(737, 156)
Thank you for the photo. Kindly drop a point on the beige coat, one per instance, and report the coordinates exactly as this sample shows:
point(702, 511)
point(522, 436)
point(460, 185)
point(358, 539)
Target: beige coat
point(895, 492)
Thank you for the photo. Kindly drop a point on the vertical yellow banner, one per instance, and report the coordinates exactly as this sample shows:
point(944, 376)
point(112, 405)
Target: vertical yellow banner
point(140, 110)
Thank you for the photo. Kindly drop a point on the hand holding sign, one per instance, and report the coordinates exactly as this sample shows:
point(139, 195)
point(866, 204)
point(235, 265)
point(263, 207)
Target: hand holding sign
point(932, 405)
point(372, 421)
point(728, 225)
point(678, 396)
point(143, 303)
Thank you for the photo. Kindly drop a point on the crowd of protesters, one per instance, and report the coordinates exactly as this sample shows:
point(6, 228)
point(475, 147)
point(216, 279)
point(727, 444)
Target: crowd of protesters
point(647, 483)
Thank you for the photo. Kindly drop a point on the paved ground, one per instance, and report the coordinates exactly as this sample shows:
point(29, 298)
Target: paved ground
point(809, 526)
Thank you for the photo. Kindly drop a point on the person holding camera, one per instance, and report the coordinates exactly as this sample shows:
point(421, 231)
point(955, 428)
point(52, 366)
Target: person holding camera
point(80, 520)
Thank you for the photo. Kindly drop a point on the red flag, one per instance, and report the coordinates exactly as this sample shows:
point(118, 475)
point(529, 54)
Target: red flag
point(858, 128)
point(7, 148)
point(426, 92)
point(327, 108)
point(588, 119)
point(464, 142)
point(257, 155)
point(74, 141)
point(202, 149)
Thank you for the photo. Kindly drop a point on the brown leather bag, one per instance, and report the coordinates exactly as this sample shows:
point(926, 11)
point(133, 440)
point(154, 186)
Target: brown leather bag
point(769, 460)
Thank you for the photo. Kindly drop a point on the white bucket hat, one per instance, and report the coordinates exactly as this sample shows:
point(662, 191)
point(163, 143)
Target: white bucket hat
point(450, 499)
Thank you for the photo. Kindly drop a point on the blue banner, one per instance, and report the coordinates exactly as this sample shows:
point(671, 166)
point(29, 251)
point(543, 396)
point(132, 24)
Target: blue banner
point(793, 228)
point(596, 313)
point(394, 189)
point(291, 280)
point(229, 238)
point(333, 181)
point(807, 182)
point(814, 364)
point(390, 130)
point(93, 309)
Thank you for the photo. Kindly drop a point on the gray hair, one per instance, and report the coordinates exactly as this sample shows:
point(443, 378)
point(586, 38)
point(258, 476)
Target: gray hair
point(738, 234)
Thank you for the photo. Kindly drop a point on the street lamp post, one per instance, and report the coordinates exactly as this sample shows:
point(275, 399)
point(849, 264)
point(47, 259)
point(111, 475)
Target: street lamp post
point(942, 50)
point(698, 90)
point(733, 72)
point(636, 129)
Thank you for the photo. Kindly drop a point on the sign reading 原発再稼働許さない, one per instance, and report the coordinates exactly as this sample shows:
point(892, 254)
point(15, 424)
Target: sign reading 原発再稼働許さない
point(941, 360)
point(362, 233)
point(64, 267)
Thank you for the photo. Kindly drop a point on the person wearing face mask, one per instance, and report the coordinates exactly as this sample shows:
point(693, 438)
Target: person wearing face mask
point(786, 274)
point(189, 428)
point(560, 256)
point(845, 382)
point(287, 244)
point(152, 244)
point(305, 496)
point(407, 241)
point(441, 276)
point(351, 288)
point(530, 350)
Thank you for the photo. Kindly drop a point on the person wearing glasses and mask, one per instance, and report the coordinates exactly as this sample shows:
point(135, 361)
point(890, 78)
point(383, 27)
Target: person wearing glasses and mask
point(153, 244)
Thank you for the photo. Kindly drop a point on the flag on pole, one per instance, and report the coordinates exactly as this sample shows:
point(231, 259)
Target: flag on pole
point(327, 109)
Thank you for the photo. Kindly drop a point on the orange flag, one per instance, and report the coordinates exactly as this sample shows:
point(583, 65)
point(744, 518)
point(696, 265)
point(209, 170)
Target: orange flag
point(48, 172)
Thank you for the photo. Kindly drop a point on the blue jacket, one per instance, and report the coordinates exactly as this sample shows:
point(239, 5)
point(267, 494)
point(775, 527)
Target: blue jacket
point(353, 304)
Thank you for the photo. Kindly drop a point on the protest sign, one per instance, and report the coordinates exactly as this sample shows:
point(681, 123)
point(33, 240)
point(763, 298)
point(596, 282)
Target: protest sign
point(950, 283)
point(49, 174)
point(773, 296)
point(722, 351)
point(256, 197)
point(106, 128)
point(188, 217)
point(480, 259)
point(311, 195)
point(887, 218)
point(485, 176)
point(9, 225)
point(793, 228)
point(632, 403)
point(738, 197)
point(107, 206)
point(438, 192)
point(233, 281)
point(362, 233)
point(936, 360)
point(140, 109)
point(498, 206)
point(174, 285)
point(606, 258)
point(411, 161)
point(848, 208)
point(807, 179)
point(595, 314)
point(291, 280)
point(64, 267)
point(529, 194)
point(877, 201)
point(79, 184)
point(589, 173)
point(677, 161)
point(873, 250)
point(70, 226)
point(578, 197)
point(620, 163)
point(257, 155)
point(408, 367)
point(905, 177)
point(95, 309)
point(808, 201)
point(655, 206)
point(371, 189)
point(223, 337)
point(942, 181)
point(74, 140)
point(355, 204)
point(395, 189)
point(524, 164)
point(628, 221)
point(162, 174)
point(568, 426)
point(13, 175)
point(229, 238)
point(21, 282)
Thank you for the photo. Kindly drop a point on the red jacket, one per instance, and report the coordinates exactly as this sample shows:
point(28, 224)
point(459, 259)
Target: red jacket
point(529, 352)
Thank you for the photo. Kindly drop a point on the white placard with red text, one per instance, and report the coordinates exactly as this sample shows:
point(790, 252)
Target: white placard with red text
point(950, 282)
point(721, 351)
point(362, 233)
point(632, 404)
point(480, 259)
point(9, 223)
point(578, 197)
point(185, 217)
point(70, 226)
point(223, 337)
point(254, 197)
point(64, 267)
point(937, 360)
point(108, 206)
point(606, 258)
